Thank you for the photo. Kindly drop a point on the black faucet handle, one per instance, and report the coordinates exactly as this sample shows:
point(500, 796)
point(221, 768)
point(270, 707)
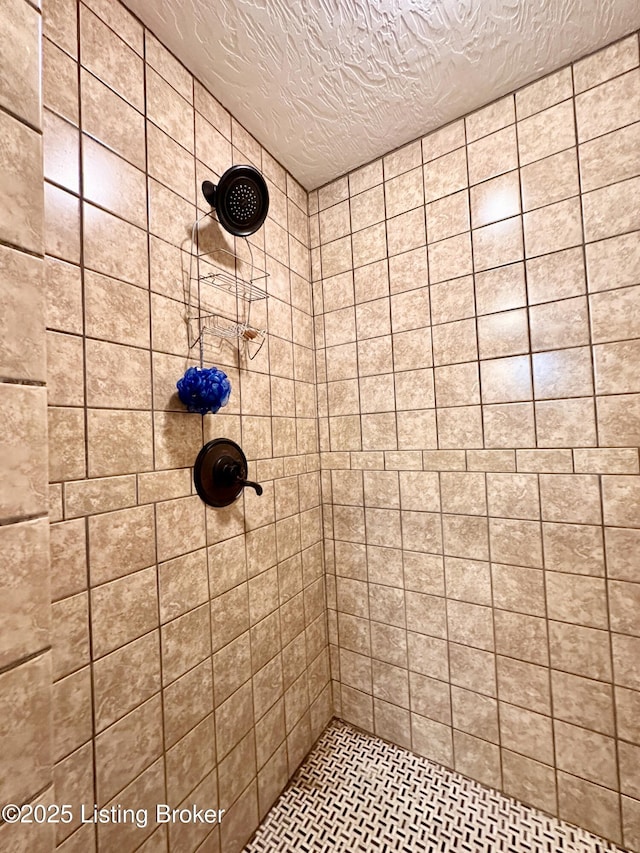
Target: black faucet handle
point(220, 473)
point(256, 486)
point(230, 472)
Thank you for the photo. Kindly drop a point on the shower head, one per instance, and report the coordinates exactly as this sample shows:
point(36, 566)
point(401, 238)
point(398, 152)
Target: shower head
point(241, 200)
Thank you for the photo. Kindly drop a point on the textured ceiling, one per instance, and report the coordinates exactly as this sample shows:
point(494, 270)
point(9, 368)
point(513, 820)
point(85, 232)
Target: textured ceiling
point(327, 85)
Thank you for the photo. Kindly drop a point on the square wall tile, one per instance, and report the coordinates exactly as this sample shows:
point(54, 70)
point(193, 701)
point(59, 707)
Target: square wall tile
point(26, 726)
point(495, 199)
point(546, 132)
point(21, 216)
point(606, 63)
point(492, 155)
point(111, 59)
point(22, 349)
point(544, 93)
point(26, 604)
point(20, 64)
point(24, 431)
point(608, 106)
point(60, 81)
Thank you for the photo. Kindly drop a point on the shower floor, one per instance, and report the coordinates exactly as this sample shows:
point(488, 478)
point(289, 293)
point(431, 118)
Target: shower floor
point(355, 792)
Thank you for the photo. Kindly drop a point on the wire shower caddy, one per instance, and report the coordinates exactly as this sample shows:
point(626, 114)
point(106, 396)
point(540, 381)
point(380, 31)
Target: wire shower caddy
point(218, 291)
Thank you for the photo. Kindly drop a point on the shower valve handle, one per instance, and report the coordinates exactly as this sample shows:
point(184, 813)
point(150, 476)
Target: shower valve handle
point(253, 485)
point(220, 473)
point(230, 474)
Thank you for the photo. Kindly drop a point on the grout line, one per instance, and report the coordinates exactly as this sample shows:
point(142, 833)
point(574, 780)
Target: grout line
point(549, 666)
point(149, 349)
point(594, 395)
point(438, 474)
point(24, 660)
point(431, 323)
point(7, 244)
point(31, 798)
point(527, 306)
point(477, 360)
point(616, 736)
point(494, 634)
point(81, 269)
point(392, 334)
point(20, 519)
point(7, 111)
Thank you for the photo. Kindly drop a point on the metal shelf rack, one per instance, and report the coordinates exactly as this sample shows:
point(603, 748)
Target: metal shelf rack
point(219, 296)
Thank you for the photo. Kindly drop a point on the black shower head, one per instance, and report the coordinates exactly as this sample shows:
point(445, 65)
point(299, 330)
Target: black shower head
point(241, 200)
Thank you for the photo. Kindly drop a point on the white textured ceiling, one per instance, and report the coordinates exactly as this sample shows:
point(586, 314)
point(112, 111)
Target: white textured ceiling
point(327, 85)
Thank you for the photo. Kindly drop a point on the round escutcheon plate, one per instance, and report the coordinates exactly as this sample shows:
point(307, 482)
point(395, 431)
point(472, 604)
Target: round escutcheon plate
point(220, 472)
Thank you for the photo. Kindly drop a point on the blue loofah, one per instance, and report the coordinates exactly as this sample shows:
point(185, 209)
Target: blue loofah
point(204, 389)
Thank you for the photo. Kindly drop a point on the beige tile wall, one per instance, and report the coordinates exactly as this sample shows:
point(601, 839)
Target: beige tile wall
point(476, 338)
point(190, 645)
point(26, 767)
point(478, 342)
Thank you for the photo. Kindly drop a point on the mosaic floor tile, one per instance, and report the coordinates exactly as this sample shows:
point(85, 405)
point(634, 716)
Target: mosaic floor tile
point(355, 792)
